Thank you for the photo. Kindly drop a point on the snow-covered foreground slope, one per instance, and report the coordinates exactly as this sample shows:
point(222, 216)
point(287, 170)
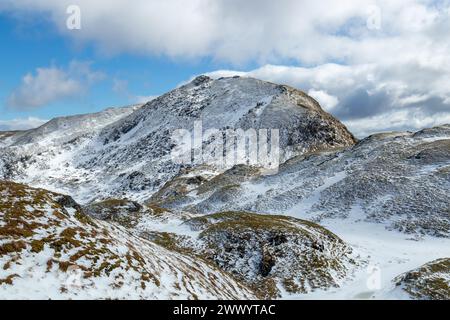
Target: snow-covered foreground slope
point(50, 249)
point(129, 153)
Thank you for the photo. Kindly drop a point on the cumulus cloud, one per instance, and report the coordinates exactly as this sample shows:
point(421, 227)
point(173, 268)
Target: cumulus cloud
point(397, 120)
point(328, 102)
point(21, 124)
point(51, 84)
point(48, 85)
point(144, 99)
point(120, 87)
point(311, 32)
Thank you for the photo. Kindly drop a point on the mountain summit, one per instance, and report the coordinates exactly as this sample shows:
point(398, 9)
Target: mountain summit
point(128, 152)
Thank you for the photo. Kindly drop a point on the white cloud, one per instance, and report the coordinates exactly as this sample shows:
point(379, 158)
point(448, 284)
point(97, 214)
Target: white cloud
point(413, 99)
point(48, 85)
point(328, 102)
point(21, 124)
point(397, 120)
point(120, 86)
point(51, 84)
point(144, 99)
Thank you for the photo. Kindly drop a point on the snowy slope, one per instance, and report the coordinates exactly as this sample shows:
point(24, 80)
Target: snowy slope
point(388, 255)
point(379, 255)
point(60, 130)
point(46, 155)
point(49, 249)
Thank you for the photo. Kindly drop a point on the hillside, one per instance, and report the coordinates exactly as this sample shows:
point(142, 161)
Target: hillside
point(49, 249)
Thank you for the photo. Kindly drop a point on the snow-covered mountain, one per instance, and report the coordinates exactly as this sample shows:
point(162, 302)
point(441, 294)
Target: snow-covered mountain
point(381, 202)
point(125, 153)
point(47, 155)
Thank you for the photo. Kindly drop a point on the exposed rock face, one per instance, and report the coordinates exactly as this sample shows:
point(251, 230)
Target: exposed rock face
point(175, 193)
point(428, 282)
point(400, 179)
point(112, 209)
point(50, 249)
point(127, 153)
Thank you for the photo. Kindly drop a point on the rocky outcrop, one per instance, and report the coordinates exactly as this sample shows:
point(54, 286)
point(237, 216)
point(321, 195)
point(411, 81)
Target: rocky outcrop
point(428, 282)
point(274, 255)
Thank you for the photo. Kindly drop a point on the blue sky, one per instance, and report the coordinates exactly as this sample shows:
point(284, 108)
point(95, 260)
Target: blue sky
point(377, 65)
point(128, 78)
